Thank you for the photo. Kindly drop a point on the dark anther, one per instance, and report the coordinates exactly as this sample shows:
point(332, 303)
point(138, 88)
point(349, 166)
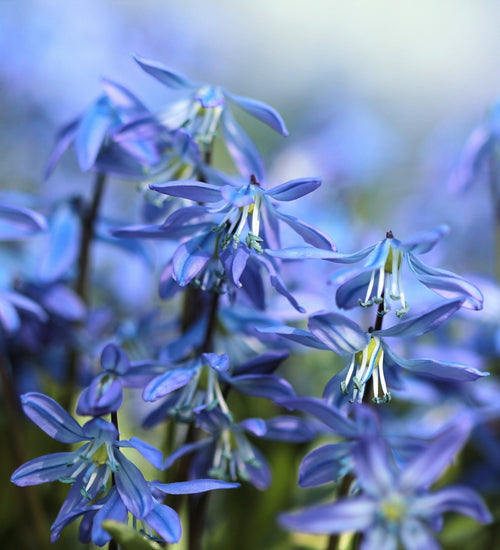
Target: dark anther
point(253, 180)
point(389, 235)
point(370, 330)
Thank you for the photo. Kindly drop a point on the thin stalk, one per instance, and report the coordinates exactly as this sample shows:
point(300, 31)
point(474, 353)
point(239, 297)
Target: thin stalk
point(334, 541)
point(112, 545)
point(89, 217)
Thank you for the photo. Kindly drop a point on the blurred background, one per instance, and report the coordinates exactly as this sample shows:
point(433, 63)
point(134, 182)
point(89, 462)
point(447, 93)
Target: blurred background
point(379, 98)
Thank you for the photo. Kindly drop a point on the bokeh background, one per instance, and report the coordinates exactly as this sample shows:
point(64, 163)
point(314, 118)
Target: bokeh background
point(379, 97)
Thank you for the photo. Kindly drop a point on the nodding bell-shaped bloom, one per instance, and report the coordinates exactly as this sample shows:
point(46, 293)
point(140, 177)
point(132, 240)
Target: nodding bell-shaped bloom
point(227, 232)
point(105, 393)
point(207, 108)
point(379, 281)
point(93, 135)
point(371, 357)
point(394, 507)
point(90, 467)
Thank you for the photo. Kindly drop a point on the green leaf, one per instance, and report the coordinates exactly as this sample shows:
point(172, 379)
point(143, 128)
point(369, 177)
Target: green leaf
point(128, 538)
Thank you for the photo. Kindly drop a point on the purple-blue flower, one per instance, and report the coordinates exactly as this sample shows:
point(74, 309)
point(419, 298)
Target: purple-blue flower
point(207, 108)
point(90, 467)
point(394, 506)
point(379, 280)
point(370, 356)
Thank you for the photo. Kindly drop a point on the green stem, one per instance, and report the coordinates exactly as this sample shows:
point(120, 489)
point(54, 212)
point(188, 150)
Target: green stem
point(112, 545)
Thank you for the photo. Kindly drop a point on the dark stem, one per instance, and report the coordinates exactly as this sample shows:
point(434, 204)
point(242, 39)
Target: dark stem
point(345, 485)
point(112, 545)
point(89, 217)
point(13, 414)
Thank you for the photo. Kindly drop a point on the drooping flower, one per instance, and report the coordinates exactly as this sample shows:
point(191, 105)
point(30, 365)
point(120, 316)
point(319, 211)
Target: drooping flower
point(92, 135)
point(370, 356)
point(89, 468)
point(379, 280)
point(394, 506)
point(207, 108)
point(226, 234)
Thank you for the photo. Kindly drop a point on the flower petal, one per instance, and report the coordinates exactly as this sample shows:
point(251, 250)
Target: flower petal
point(48, 415)
point(168, 382)
point(132, 487)
point(326, 464)
point(165, 75)
point(355, 514)
point(294, 189)
point(165, 521)
point(43, 469)
point(260, 110)
point(340, 334)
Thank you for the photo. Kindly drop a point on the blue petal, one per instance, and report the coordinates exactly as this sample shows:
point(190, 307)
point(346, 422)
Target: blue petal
point(434, 368)
point(295, 335)
point(424, 322)
point(113, 509)
point(165, 75)
point(325, 464)
point(189, 189)
point(122, 98)
point(340, 334)
point(114, 359)
point(415, 536)
point(132, 487)
point(192, 256)
point(193, 487)
point(330, 416)
point(166, 383)
point(289, 428)
point(256, 426)
point(165, 521)
point(355, 514)
point(294, 189)
point(279, 285)
point(310, 234)
point(260, 110)
point(268, 386)
point(150, 453)
point(455, 498)
point(94, 125)
point(168, 286)
point(104, 395)
point(219, 363)
point(375, 466)
point(44, 469)
point(63, 140)
point(436, 457)
point(241, 148)
point(423, 242)
point(52, 418)
point(17, 222)
point(264, 363)
point(446, 283)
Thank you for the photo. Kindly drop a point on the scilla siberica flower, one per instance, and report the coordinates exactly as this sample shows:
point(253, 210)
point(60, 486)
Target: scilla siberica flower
point(229, 235)
point(379, 280)
point(394, 506)
point(93, 135)
point(370, 356)
point(90, 467)
point(207, 108)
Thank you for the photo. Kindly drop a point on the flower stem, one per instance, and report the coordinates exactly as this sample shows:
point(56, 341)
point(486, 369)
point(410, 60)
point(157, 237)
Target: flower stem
point(89, 217)
point(335, 540)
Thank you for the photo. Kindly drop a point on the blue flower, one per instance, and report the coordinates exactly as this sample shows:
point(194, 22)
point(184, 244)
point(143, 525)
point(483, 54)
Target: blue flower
point(370, 356)
point(90, 467)
point(225, 240)
point(228, 454)
point(161, 524)
point(105, 392)
point(379, 280)
point(394, 506)
point(206, 108)
point(93, 135)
